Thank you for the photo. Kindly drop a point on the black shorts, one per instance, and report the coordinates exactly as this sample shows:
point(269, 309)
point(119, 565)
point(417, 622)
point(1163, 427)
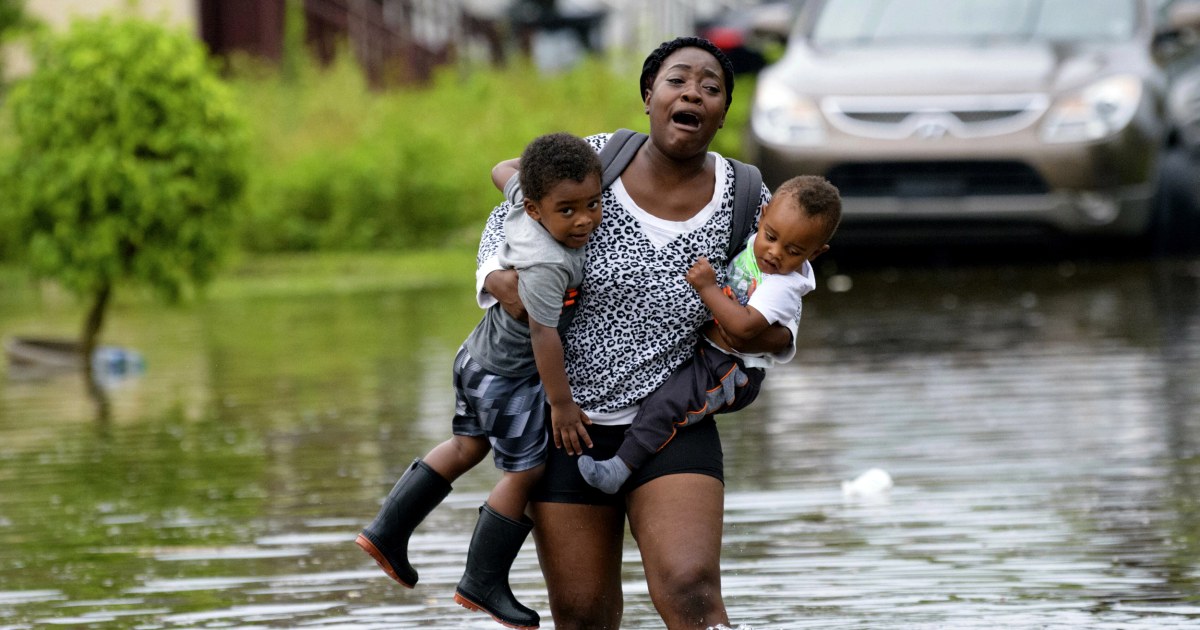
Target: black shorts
point(695, 449)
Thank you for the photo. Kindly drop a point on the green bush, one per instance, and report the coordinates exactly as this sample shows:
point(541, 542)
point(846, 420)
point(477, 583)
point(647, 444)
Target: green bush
point(131, 160)
point(340, 166)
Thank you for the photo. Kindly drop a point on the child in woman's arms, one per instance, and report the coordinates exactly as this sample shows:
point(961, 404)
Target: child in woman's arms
point(766, 283)
point(507, 375)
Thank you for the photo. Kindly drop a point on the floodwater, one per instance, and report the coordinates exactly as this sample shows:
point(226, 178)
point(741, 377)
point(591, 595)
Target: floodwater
point(1040, 423)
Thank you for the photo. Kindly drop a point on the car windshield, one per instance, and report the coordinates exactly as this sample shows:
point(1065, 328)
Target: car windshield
point(867, 22)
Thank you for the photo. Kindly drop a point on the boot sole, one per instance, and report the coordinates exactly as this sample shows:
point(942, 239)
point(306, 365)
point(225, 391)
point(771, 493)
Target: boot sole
point(470, 605)
point(366, 545)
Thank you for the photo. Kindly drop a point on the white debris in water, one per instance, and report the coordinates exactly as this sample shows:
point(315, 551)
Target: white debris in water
point(872, 482)
point(722, 626)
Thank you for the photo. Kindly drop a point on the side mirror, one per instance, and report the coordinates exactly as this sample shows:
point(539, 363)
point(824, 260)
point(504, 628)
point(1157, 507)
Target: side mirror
point(1179, 29)
point(775, 20)
point(1184, 16)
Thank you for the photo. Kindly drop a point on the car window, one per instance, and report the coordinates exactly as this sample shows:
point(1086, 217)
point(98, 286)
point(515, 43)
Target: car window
point(865, 22)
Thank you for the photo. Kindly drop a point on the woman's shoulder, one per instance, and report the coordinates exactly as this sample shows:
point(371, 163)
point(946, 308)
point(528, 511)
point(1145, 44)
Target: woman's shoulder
point(598, 140)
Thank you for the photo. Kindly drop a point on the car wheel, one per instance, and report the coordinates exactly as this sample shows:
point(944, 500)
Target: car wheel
point(1175, 228)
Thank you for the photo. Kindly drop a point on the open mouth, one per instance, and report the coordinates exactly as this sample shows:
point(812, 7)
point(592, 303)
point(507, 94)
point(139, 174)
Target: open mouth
point(686, 119)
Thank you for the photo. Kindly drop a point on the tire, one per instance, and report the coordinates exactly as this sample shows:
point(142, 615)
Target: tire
point(1175, 227)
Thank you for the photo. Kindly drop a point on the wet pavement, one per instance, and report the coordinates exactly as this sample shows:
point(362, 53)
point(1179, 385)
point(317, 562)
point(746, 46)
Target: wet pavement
point(1039, 421)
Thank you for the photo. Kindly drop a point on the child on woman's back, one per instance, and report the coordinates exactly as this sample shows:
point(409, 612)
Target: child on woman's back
point(504, 375)
point(766, 283)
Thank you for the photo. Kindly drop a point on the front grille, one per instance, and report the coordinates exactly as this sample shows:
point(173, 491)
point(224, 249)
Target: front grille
point(899, 117)
point(936, 179)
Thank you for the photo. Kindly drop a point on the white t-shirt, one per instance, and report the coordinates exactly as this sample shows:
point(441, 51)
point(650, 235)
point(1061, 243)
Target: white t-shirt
point(777, 297)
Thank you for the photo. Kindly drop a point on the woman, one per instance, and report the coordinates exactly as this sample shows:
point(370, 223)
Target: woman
point(637, 320)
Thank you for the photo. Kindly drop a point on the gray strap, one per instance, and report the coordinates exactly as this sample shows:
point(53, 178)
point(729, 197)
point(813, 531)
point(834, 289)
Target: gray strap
point(747, 192)
point(618, 153)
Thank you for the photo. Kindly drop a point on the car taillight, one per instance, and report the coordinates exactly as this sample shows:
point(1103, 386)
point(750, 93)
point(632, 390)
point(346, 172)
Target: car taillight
point(724, 37)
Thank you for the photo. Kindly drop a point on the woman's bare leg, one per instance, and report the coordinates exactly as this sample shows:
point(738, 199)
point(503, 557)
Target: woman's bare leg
point(677, 522)
point(579, 548)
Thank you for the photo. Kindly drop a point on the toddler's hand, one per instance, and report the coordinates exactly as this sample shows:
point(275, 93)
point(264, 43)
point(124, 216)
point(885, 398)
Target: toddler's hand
point(701, 275)
point(567, 427)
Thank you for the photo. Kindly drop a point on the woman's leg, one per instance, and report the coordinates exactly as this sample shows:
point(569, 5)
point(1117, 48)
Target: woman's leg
point(579, 548)
point(676, 521)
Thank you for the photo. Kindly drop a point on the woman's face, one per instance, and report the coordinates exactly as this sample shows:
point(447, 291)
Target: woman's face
point(686, 102)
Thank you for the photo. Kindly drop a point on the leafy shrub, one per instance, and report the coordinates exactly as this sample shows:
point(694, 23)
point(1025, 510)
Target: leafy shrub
point(131, 160)
point(339, 166)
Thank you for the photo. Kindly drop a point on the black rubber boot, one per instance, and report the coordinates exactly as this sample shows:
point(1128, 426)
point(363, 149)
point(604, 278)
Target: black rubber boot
point(484, 586)
point(419, 490)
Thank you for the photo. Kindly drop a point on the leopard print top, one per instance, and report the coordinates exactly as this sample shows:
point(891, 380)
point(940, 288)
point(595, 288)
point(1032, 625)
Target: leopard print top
point(637, 318)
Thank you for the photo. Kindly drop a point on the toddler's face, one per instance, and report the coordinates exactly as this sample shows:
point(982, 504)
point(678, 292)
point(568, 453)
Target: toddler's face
point(787, 238)
point(570, 212)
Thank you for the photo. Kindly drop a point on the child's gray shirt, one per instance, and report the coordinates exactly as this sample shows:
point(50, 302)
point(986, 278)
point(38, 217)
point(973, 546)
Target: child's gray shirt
point(547, 269)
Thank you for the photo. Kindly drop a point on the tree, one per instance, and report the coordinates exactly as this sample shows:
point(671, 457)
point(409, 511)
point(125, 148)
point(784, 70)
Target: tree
point(130, 161)
point(12, 18)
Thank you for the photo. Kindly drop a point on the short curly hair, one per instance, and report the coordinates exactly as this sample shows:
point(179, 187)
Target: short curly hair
point(815, 198)
point(655, 60)
point(555, 157)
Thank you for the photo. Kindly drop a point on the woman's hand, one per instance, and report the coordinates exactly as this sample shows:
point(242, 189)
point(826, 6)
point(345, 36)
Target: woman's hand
point(776, 338)
point(502, 285)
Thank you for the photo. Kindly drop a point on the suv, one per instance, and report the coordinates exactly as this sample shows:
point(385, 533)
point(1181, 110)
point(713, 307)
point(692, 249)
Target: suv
point(995, 116)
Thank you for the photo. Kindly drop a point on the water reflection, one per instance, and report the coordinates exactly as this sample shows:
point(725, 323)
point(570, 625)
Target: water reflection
point(1040, 424)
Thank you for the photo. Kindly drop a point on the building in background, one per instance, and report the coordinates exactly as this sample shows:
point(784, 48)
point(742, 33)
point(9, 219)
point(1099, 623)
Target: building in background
point(404, 40)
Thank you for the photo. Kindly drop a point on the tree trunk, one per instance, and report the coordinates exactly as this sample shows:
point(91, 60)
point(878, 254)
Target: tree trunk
point(91, 332)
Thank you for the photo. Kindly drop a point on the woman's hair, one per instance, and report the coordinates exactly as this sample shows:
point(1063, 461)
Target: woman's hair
point(552, 158)
point(815, 198)
point(655, 60)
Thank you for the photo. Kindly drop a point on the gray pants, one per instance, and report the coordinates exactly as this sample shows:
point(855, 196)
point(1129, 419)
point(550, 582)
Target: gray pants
point(708, 383)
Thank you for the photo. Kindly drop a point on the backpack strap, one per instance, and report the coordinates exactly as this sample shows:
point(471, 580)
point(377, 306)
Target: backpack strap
point(747, 193)
point(618, 153)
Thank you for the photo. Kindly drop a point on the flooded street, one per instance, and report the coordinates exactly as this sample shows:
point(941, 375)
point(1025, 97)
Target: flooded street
point(1041, 423)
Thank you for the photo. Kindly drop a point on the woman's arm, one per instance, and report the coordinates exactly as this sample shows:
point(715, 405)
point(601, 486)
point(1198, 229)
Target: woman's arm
point(502, 284)
point(504, 171)
point(775, 339)
point(743, 328)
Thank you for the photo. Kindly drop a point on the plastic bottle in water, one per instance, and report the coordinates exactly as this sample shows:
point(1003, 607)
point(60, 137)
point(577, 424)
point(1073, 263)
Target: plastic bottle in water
point(115, 361)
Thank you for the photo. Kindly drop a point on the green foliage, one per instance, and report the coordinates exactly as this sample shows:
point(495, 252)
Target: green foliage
point(12, 15)
point(343, 167)
point(131, 158)
point(12, 19)
point(10, 240)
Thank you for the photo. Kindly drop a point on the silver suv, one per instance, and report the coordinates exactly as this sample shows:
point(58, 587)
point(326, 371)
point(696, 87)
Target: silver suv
point(989, 115)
